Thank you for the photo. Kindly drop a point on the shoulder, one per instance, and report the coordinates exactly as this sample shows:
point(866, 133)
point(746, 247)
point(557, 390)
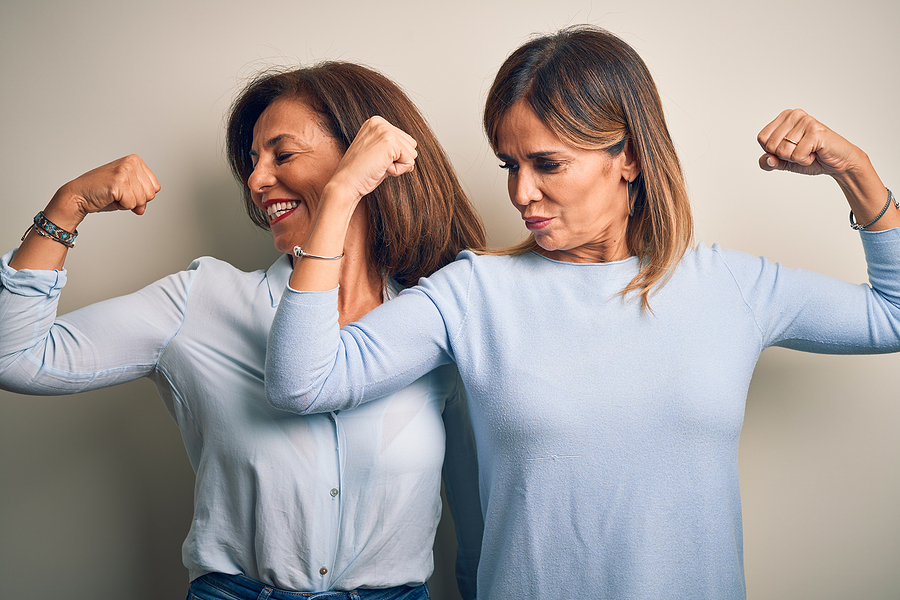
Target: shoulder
point(709, 259)
point(469, 273)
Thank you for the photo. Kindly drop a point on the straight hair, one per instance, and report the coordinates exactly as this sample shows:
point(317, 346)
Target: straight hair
point(420, 221)
point(594, 91)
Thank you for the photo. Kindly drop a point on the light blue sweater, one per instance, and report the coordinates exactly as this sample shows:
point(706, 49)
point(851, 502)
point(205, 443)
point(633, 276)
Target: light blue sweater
point(607, 437)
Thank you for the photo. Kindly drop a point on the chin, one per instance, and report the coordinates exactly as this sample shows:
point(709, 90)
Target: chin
point(545, 243)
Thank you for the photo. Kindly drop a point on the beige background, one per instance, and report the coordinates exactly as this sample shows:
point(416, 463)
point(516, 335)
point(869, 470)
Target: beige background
point(95, 490)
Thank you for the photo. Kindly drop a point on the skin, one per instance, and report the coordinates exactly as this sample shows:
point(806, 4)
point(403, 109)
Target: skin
point(820, 151)
point(382, 150)
point(294, 158)
point(574, 201)
point(379, 150)
point(301, 162)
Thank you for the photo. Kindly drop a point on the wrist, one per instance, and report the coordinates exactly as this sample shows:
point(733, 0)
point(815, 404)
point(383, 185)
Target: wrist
point(66, 209)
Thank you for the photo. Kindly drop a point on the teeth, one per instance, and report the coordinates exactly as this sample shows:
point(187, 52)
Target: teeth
point(273, 211)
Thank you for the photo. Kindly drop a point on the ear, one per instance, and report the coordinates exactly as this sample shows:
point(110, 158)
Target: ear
point(628, 162)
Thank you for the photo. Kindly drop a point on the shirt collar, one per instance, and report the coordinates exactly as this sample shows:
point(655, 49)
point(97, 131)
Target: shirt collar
point(277, 278)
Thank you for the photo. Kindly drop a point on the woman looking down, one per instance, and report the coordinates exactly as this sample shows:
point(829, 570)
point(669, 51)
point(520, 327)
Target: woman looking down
point(606, 363)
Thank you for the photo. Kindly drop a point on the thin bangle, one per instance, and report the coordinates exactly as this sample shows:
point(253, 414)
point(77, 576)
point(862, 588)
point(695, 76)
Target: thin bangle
point(299, 253)
point(858, 227)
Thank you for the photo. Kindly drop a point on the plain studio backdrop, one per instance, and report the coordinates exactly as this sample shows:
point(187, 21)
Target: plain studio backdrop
point(96, 489)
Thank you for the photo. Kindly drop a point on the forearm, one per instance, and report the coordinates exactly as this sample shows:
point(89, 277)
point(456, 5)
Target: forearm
point(326, 238)
point(124, 184)
point(867, 196)
point(41, 252)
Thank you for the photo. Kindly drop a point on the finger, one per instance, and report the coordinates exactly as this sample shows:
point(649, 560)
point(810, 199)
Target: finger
point(766, 133)
point(769, 162)
point(777, 139)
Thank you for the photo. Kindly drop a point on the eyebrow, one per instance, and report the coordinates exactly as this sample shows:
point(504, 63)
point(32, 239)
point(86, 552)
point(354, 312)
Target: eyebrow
point(274, 142)
point(532, 155)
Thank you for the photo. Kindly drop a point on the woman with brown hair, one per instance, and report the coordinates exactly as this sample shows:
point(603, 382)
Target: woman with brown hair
point(606, 363)
point(336, 506)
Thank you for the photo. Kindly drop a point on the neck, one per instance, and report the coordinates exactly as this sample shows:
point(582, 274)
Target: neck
point(361, 287)
point(592, 252)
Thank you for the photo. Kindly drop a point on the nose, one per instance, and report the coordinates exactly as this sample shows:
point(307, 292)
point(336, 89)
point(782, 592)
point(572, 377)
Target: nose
point(261, 178)
point(523, 189)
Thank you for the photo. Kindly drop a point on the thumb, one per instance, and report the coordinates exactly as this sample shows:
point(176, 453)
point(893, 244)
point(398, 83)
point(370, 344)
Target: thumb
point(770, 162)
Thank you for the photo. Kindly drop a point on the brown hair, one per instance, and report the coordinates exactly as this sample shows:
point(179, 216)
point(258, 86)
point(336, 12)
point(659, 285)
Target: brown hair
point(419, 222)
point(594, 91)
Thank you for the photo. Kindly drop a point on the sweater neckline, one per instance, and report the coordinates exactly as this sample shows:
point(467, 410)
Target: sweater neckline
point(624, 261)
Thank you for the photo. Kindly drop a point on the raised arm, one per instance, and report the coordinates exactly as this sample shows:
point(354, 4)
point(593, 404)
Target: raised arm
point(379, 150)
point(807, 311)
point(99, 345)
point(124, 184)
point(798, 143)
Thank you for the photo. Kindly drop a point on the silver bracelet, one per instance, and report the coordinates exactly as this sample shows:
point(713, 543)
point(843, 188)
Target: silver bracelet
point(299, 253)
point(858, 227)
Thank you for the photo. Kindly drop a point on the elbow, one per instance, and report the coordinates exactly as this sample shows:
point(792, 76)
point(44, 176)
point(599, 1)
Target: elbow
point(287, 395)
point(298, 403)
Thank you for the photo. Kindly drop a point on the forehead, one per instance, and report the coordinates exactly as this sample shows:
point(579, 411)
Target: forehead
point(521, 131)
point(287, 118)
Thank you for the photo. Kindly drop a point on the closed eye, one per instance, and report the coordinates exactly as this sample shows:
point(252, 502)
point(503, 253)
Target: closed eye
point(547, 166)
point(509, 166)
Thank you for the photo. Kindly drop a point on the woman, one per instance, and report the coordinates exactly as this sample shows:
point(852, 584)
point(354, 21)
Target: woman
point(606, 365)
point(343, 502)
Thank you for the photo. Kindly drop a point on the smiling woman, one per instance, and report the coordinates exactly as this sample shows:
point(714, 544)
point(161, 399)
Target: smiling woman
point(284, 505)
point(293, 158)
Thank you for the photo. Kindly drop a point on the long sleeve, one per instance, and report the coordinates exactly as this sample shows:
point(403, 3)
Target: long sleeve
point(314, 366)
point(807, 311)
point(97, 346)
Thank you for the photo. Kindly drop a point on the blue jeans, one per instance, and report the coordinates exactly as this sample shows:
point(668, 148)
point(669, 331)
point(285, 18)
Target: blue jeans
point(217, 586)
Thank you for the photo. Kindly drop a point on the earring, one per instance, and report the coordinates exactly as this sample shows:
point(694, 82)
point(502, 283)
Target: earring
point(630, 202)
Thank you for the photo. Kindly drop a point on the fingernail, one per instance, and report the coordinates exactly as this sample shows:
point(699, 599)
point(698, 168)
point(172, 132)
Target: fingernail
point(771, 161)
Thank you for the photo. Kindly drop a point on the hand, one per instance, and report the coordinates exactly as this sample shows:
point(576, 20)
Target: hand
point(797, 142)
point(379, 150)
point(124, 184)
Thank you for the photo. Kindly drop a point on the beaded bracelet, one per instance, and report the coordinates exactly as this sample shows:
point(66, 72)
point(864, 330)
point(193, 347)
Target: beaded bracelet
point(858, 227)
point(299, 253)
point(52, 231)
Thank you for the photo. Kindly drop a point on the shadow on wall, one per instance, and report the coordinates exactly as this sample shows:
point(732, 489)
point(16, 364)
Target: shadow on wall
point(224, 229)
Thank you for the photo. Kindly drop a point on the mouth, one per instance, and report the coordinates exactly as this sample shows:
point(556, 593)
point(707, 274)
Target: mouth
point(536, 223)
point(278, 209)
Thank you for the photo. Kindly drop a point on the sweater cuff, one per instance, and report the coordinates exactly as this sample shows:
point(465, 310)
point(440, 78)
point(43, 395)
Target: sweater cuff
point(30, 282)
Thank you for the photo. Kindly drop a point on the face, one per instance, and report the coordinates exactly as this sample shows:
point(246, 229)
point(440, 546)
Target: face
point(574, 201)
point(293, 158)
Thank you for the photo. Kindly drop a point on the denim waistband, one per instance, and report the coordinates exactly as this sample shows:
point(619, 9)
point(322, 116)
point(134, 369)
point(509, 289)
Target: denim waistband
point(244, 588)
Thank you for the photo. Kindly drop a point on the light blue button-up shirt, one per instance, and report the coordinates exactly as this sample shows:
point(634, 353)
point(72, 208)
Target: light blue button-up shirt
point(338, 500)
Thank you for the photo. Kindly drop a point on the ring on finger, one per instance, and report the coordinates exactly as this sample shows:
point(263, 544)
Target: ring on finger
point(790, 141)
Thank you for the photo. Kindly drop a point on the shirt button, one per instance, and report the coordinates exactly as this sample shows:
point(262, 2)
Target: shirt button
point(334, 492)
point(323, 571)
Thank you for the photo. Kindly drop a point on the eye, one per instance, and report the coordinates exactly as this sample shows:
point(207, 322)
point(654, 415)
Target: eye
point(283, 156)
point(547, 166)
point(509, 166)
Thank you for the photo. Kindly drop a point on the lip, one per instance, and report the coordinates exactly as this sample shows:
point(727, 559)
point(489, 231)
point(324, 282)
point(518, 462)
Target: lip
point(281, 213)
point(537, 223)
